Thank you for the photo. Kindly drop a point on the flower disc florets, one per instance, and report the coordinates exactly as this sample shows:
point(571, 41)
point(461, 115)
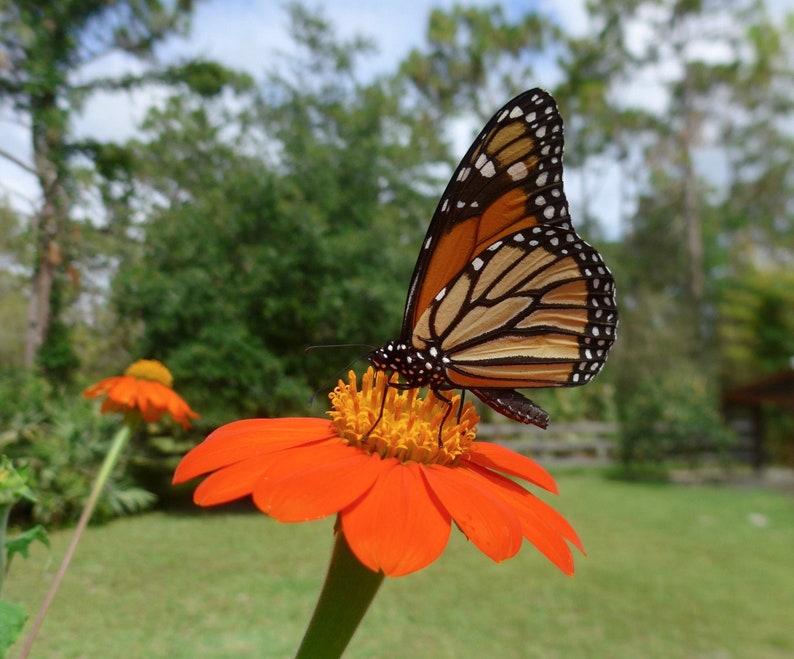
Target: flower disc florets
point(151, 369)
point(409, 428)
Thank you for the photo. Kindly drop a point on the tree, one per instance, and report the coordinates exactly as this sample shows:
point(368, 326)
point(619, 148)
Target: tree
point(298, 227)
point(713, 152)
point(476, 58)
point(44, 45)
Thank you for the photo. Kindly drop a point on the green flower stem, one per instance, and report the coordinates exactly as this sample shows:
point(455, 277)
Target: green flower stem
point(5, 512)
point(347, 593)
point(112, 457)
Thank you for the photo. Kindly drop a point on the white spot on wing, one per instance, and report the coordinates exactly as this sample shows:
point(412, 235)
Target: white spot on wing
point(517, 171)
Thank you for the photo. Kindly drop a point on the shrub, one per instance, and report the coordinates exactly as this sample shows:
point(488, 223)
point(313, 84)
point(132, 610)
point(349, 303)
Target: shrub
point(672, 417)
point(63, 441)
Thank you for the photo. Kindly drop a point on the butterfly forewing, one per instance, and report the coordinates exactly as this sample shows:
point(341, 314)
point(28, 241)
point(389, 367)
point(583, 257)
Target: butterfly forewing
point(511, 178)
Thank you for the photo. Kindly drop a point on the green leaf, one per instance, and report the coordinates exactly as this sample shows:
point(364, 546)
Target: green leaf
point(21, 543)
point(12, 618)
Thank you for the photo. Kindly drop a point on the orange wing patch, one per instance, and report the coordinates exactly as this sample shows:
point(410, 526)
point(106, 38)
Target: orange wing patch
point(510, 179)
point(513, 376)
point(572, 320)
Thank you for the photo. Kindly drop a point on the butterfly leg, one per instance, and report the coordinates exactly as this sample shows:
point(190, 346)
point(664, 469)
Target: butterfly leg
point(366, 435)
point(460, 407)
point(448, 401)
point(393, 385)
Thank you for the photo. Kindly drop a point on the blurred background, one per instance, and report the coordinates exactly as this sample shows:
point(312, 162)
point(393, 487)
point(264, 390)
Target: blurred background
point(218, 185)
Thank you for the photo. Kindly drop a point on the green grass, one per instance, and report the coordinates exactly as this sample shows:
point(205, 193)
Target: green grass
point(670, 572)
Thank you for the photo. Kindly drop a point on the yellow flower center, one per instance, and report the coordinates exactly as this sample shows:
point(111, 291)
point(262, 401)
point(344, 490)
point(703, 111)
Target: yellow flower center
point(151, 369)
point(409, 428)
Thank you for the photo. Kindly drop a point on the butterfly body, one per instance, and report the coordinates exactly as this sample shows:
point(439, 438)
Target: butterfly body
point(505, 294)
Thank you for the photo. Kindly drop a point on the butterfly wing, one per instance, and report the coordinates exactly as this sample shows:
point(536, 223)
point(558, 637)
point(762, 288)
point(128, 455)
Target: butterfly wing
point(510, 179)
point(505, 294)
point(534, 309)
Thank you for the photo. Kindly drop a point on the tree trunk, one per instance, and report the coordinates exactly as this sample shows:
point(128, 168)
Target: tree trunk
point(692, 220)
point(48, 136)
point(48, 259)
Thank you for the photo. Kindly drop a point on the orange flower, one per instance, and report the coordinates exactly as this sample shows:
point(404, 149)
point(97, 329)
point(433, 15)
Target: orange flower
point(395, 490)
point(145, 388)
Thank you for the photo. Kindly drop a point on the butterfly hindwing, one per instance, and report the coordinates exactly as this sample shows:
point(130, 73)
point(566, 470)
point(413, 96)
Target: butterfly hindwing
point(535, 309)
point(511, 178)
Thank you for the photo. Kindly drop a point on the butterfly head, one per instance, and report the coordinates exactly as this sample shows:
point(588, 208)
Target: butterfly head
point(418, 368)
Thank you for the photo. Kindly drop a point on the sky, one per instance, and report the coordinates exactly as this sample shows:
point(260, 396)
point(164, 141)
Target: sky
point(244, 34)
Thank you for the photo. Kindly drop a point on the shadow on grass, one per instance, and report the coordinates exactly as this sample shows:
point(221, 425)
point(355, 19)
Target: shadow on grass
point(179, 502)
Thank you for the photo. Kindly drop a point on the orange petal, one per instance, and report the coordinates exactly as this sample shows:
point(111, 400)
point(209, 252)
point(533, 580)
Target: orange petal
point(499, 458)
point(399, 526)
point(245, 439)
point(230, 483)
point(153, 399)
point(490, 523)
point(543, 526)
point(180, 411)
point(109, 405)
point(554, 520)
point(100, 388)
point(315, 481)
point(125, 392)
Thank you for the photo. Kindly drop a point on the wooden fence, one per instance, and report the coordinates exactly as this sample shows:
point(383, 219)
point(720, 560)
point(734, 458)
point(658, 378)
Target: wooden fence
point(585, 443)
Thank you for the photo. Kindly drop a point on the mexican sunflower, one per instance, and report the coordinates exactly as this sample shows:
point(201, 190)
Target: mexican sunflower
point(146, 388)
point(394, 488)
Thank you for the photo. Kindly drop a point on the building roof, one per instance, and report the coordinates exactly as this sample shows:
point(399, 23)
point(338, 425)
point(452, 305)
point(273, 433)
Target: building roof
point(774, 388)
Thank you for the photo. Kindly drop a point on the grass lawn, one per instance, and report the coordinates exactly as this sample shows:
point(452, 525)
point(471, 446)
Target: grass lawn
point(670, 572)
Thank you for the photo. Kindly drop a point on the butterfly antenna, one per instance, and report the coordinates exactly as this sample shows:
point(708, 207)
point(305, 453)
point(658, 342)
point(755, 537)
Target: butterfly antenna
point(339, 345)
point(336, 377)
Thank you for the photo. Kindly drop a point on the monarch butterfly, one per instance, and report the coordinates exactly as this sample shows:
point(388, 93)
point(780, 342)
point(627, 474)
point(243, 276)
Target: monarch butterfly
point(505, 294)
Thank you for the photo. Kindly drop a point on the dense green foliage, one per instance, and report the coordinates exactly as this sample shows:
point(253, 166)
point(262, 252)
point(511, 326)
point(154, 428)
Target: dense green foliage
point(256, 258)
point(63, 442)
